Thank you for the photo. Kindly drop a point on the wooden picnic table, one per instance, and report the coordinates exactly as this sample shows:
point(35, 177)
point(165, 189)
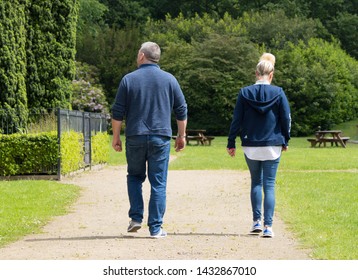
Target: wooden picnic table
point(328, 136)
point(198, 136)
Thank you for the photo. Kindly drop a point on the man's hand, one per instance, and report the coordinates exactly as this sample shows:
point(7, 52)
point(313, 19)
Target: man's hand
point(180, 143)
point(117, 144)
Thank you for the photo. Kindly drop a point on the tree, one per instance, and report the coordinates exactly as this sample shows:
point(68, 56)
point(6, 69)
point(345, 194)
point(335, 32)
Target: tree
point(344, 27)
point(91, 15)
point(213, 54)
point(13, 102)
point(274, 29)
point(122, 12)
point(212, 75)
point(320, 81)
point(116, 56)
point(159, 9)
point(102, 44)
point(90, 24)
point(51, 52)
point(338, 17)
point(212, 60)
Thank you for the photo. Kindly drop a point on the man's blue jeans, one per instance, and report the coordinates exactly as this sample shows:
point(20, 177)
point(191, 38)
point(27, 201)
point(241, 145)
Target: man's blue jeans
point(263, 175)
point(150, 151)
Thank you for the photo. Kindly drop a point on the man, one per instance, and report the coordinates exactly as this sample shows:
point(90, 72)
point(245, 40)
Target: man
point(146, 98)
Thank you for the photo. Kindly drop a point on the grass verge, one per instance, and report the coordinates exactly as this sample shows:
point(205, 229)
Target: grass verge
point(26, 206)
point(320, 208)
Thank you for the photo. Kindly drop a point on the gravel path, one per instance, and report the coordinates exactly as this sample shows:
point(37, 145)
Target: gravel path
point(208, 217)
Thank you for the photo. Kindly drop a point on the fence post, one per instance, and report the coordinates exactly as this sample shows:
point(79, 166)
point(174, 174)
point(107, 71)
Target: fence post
point(90, 139)
point(59, 143)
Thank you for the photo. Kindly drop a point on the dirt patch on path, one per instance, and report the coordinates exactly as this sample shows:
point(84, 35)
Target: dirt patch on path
point(208, 217)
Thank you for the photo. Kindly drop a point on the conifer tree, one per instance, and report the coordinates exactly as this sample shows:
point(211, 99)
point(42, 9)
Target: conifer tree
point(51, 53)
point(13, 102)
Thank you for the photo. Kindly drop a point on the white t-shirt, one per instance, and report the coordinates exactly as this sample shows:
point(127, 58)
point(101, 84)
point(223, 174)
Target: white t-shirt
point(263, 153)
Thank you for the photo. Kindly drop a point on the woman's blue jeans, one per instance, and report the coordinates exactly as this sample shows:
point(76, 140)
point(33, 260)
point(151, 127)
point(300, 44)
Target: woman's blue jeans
point(152, 152)
point(263, 176)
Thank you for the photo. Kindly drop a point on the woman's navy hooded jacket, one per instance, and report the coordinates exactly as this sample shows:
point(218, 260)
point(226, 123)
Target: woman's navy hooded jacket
point(261, 117)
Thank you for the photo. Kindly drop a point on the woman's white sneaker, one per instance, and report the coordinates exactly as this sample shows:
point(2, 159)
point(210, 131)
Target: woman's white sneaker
point(256, 227)
point(268, 232)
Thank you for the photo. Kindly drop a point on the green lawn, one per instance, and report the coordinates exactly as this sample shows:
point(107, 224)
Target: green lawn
point(349, 129)
point(321, 210)
point(26, 206)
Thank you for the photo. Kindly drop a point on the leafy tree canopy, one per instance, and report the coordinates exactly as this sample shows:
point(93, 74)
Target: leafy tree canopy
point(213, 49)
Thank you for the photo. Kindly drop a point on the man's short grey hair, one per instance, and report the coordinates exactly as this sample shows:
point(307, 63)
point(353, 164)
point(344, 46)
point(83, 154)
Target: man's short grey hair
point(151, 51)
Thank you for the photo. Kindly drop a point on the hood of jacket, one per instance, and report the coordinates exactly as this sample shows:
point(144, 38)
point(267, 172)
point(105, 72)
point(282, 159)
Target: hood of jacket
point(261, 97)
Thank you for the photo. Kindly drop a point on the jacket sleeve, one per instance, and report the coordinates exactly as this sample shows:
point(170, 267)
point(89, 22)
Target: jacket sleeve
point(180, 107)
point(119, 106)
point(236, 122)
point(285, 118)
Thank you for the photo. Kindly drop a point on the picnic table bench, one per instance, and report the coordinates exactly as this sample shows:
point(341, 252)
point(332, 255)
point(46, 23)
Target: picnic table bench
point(321, 138)
point(198, 136)
point(203, 140)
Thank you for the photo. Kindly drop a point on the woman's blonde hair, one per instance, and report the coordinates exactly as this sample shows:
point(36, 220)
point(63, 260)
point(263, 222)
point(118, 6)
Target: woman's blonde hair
point(269, 57)
point(264, 68)
point(266, 64)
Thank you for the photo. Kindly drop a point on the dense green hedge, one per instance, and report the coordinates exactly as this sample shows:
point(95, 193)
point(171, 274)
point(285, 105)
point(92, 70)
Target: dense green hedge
point(28, 154)
point(72, 153)
point(22, 154)
point(99, 146)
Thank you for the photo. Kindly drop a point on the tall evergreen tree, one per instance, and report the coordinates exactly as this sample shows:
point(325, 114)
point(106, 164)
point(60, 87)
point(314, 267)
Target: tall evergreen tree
point(13, 103)
point(51, 52)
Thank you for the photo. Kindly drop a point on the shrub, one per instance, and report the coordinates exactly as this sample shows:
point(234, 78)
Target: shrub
point(72, 152)
point(22, 154)
point(99, 146)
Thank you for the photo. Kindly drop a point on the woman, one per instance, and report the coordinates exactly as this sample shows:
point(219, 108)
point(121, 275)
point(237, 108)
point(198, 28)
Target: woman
point(262, 120)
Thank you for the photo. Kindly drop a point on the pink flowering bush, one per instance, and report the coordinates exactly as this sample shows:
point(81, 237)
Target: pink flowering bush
point(87, 94)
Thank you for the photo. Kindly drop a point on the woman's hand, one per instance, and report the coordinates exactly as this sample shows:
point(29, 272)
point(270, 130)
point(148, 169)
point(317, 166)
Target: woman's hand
point(231, 151)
